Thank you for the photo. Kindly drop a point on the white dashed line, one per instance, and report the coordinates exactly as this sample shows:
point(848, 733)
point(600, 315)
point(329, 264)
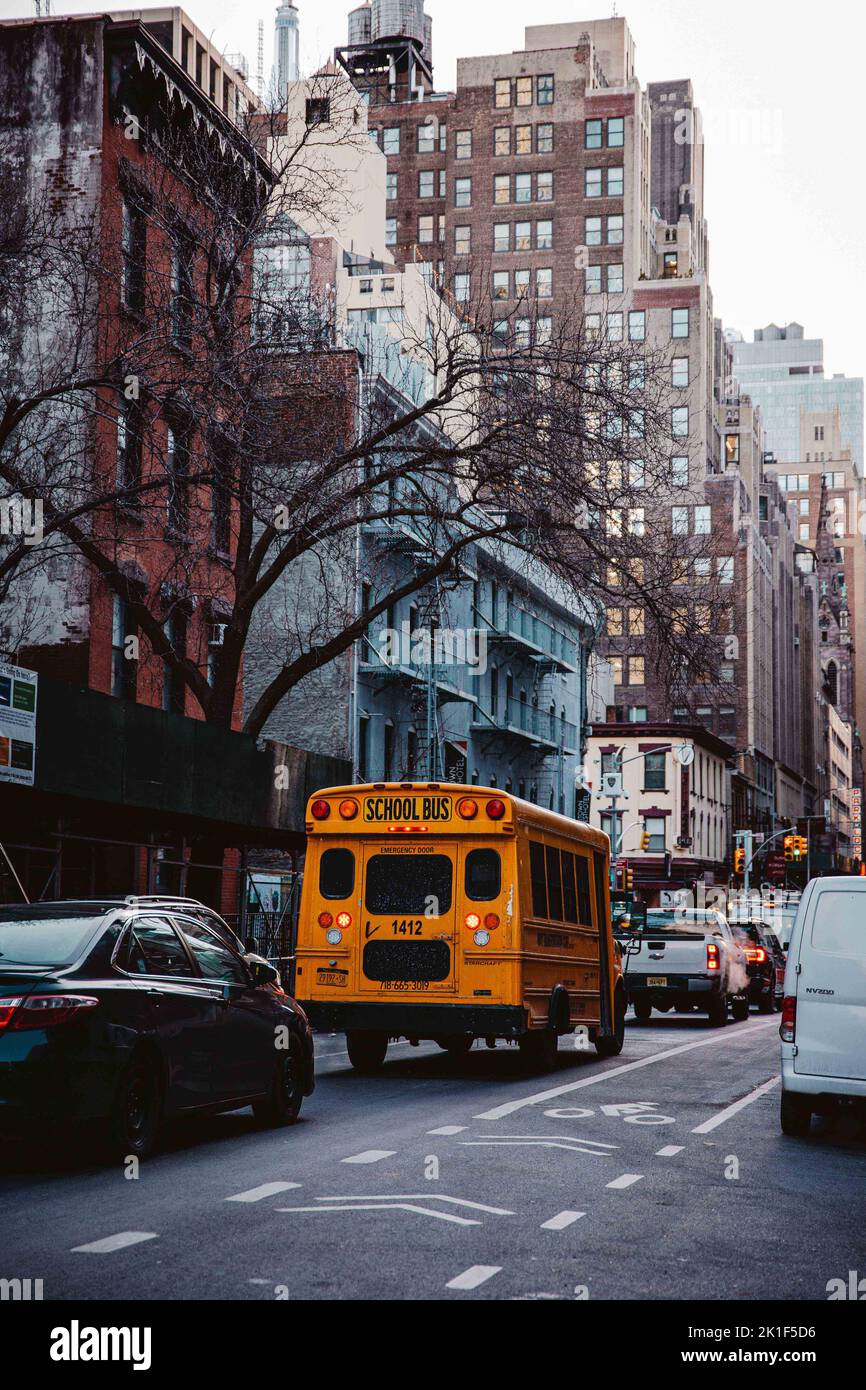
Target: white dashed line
point(669, 1151)
point(370, 1156)
point(472, 1278)
point(627, 1180)
point(709, 1125)
point(267, 1189)
point(448, 1129)
point(109, 1244)
point(559, 1223)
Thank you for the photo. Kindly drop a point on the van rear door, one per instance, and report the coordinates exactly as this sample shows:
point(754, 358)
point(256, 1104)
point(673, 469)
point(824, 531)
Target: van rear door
point(831, 986)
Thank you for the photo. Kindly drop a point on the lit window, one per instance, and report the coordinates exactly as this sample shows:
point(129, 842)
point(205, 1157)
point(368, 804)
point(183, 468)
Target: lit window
point(523, 139)
point(636, 670)
point(523, 91)
point(636, 622)
point(502, 92)
point(614, 622)
point(616, 669)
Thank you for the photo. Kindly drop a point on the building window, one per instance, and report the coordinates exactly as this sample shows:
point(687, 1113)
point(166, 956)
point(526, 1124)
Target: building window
point(129, 446)
point(134, 249)
point(636, 670)
point(426, 183)
point(462, 241)
point(391, 187)
point(390, 231)
point(181, 289)
point(544, 187)
point(703, 516)
point(502, 188)
point(636, 374)
point(680, 421)
point(502, 236)
point(544, 139)
point(614, 622)
point(545, 89)
point(502, 140)
point(593, 136)
point(656, 828)
point(501, 284)
point(637, 325)
point(616, 132)
point(173, 688)
point(636, 622)
point(615, 663)
point(464, 144)
point(425, 230)
point(523, 91)
point(615, 280)
point(592, 279)
point(463, 193)
point(123, 668)
point(177, 450)
point(680, 371)
point(391, 139)
point(680, 521)
point(679, 323)
point(615, 230)
point(462, 287)
point(523, 188)
point(614, 328)
point(502, 92)
point(521, 283)
point(592, 233)
point(725, 567)
point(426, 138)
point(680, 471)
point(523, 139)
point(593, 186)
point(592, 324)
point(615, 176)
point(654, 772)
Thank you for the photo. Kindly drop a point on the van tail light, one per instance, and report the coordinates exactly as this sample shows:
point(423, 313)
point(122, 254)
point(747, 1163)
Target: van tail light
point(713, 962)
point(43, 1010)
point(788, 1026)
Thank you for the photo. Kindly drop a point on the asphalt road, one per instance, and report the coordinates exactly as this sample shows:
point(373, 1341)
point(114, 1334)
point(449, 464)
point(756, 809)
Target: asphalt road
point(660, 1174)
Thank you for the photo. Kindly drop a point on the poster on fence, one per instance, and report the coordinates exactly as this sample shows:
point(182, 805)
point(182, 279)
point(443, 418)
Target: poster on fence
point(18, 690)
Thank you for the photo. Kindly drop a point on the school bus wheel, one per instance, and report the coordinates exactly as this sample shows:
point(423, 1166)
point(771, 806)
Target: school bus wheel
point(612, 1046)
point(458, 1045)
point(366, 1051)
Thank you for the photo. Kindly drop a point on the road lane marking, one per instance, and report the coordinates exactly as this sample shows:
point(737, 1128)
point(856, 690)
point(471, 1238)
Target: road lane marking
point(109, 1244)
point(669, 1151)
point(550, 1141)
point(448, 1129)
point(709, 1125)
point(389, 1206)
point(560, 1222)
point(420, 1197)
point(475, 1276)
point(627, 1180)
point(370, 1156)
point(500, 1111)
point(267, 1189)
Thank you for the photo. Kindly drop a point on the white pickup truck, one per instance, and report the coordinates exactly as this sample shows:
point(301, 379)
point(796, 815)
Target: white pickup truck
point(686, 959)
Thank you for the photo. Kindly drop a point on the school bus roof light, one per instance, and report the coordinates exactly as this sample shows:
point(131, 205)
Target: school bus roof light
point(496, 809)
point(408, 829)
point(349, 809)
point(467, 809)
point(320, 810)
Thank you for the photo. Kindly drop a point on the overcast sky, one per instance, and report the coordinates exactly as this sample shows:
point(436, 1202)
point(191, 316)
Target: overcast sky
point(780, 83)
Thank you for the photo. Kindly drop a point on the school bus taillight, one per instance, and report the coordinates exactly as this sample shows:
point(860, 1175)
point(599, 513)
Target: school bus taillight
point(325, 920)
point(320, 810)
point(349, 809)
point(496, 809)
point(344, 920)
point(467, 809)
point(473, 921)
point(491, 921)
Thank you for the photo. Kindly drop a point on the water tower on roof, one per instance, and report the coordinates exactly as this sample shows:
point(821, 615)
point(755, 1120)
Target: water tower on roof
point(389, 50)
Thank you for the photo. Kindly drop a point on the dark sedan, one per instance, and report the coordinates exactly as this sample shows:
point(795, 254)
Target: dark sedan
point(133, 1014)
point(765, 963)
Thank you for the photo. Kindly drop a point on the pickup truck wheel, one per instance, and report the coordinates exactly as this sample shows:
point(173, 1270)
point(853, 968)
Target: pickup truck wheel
point(642, 1010)
point(718, 1011)
point(795, 1115)
point(740, 1009)
point(366, 1051)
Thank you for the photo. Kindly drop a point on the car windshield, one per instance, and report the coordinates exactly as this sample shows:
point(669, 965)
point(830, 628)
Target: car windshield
point(39, 940)
point(679, 921)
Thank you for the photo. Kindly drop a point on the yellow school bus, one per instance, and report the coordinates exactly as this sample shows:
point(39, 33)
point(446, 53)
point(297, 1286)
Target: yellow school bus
point(449, 912)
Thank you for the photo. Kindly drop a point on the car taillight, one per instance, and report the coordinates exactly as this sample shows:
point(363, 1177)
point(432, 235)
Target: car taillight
point(496, 809)
point(756, 956)
point(48, 1010)
point(788, 1026)
point(320, 810)
point(7, 1009)
point(713, 962)
point(325, 920)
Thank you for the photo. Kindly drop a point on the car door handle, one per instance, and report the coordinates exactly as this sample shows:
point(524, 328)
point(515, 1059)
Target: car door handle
point(155, 993)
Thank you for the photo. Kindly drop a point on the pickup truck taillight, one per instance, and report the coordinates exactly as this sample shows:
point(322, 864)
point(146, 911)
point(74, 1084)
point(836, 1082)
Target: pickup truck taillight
point(713, 961)
point(788, 1026)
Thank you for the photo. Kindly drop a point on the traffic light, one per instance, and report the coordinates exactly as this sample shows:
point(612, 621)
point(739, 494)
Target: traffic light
point(645, 841)
point(628, 878)
point(802, 847)
point(739, 861)
point(790, 841)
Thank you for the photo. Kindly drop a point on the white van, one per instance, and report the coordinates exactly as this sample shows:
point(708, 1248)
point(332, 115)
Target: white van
point(823, 1028)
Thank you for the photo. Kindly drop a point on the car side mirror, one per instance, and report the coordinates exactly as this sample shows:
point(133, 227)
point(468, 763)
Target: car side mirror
point(263, 974)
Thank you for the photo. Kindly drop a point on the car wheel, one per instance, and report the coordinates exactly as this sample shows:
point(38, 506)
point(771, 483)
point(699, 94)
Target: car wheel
point(795, 1115)
point(740, 1009)
point(643, 1010)
point(612, 1047)
point(540, 1049)
point(282, 1104)
point(718, 1011)
point(456, 1047)
point(137, 1116)
point(367, 1051)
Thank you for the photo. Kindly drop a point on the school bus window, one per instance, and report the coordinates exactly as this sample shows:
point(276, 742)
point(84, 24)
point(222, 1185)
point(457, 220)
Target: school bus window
point(569, 894)
point(584, 900)
point(537, 879)
point(337, 873)
point(483, 875)
point(410, 883)
point(554, 884)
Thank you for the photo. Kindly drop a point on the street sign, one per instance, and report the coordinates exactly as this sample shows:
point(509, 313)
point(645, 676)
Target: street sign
point(685, 754)
point(611, 784)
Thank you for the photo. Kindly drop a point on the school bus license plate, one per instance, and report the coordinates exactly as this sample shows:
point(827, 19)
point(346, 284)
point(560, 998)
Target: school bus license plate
point(340, 978)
